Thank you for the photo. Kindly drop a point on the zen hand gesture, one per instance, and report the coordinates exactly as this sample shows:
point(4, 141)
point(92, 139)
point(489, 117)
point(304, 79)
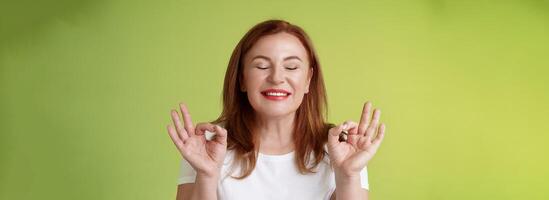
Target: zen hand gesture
point(351, 156)
point(206, 157)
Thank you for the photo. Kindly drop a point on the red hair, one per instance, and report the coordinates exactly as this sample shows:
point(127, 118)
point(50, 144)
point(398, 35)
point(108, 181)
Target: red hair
point(310, 131)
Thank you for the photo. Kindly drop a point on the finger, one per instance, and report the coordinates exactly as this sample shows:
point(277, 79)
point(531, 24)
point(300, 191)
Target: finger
point(373, 125)
point(364, 118)
point(333, 135)
point(187, 121)
point(178, 127)
point(201, 128)
point(175, 138)
point(377, 141)
point(220, 135)
point(351, 128)
point(380, 135)
point(362, 143)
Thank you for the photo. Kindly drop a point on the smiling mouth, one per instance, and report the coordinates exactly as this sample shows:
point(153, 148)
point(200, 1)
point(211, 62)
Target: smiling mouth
point(275, 94)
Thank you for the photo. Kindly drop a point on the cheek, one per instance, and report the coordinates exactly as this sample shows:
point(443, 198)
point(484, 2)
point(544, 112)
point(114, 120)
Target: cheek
point(251, 80)
point(300, 83)
point(253, 83)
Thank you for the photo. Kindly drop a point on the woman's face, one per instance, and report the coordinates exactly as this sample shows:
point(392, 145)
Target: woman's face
point(276, 75)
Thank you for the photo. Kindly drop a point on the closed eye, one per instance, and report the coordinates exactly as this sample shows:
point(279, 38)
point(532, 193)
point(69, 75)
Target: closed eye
point(292, 68)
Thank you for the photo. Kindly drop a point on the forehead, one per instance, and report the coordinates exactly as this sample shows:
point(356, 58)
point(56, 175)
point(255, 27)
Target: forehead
point(278, 46)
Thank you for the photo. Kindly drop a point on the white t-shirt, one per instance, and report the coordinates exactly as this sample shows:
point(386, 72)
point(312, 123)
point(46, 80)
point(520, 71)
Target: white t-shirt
point(274, 177)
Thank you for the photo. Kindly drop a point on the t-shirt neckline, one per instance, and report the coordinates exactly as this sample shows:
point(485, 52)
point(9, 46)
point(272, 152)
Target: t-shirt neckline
point(281, 157)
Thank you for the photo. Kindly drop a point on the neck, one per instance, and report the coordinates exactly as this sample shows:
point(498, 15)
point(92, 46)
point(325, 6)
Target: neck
point(275, 134)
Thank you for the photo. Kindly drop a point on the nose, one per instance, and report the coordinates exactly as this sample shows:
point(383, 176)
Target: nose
point(276, 75)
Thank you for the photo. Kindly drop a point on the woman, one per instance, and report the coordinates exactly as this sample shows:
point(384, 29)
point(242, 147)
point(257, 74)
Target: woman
point(271, 141)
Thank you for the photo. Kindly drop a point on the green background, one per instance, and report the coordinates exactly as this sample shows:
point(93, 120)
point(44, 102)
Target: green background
point(86, 88)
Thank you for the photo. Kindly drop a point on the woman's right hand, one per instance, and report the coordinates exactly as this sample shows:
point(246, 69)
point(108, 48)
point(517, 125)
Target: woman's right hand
point(205, 156)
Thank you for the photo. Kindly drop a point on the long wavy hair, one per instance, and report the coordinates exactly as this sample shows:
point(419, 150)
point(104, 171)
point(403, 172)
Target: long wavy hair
point(310, 131)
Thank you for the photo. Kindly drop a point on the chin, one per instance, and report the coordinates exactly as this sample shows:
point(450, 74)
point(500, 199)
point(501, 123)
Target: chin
point(274, 111)
point(275, 114)
point(271, 108)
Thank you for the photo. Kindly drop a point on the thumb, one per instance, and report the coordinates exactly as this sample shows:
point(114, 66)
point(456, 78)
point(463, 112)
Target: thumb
point(220, 135)
point(201, 128)
point(333, 134)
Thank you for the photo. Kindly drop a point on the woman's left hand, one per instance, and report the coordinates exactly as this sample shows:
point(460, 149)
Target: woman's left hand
point(351, 156)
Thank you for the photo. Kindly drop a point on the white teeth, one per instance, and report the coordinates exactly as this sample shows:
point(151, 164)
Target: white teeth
point(278, 94)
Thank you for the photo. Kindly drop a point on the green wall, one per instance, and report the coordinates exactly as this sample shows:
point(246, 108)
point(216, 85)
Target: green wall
point(86, 88)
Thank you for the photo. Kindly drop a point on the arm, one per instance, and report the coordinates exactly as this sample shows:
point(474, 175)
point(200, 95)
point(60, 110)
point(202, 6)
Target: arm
point(203, 188)
point(351, 186)
point(364, 194)
point(349, 189)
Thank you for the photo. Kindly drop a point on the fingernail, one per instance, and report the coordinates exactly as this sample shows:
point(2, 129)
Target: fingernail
point(344, 126)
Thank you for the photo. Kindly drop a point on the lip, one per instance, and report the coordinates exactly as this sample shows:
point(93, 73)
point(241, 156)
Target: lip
point(275, 98)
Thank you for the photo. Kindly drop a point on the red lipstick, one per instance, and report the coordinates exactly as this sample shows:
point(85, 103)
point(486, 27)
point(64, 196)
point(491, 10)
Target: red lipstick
point(275, 94)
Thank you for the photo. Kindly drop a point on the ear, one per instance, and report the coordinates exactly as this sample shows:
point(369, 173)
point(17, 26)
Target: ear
point(309, 76)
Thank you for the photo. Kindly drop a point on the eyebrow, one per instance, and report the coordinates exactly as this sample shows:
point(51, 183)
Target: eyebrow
point(267, 58)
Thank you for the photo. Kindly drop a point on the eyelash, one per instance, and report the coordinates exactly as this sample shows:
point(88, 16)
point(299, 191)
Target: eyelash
point(289, 68)
point(292, 68)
